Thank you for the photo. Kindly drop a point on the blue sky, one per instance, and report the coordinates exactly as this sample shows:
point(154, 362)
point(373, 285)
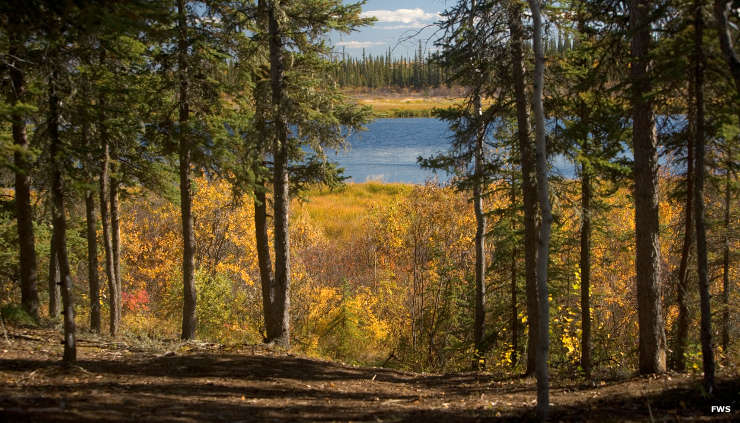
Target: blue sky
point(398, 20)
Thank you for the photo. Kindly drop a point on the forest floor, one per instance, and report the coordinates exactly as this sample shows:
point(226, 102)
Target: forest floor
point(196, 382)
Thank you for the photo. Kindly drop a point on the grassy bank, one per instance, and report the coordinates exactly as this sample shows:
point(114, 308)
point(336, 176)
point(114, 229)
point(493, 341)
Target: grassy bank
point(408, 106)
point(340, 213)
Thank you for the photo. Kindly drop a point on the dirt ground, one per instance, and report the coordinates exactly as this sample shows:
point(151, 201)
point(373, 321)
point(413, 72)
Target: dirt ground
point(197, 382)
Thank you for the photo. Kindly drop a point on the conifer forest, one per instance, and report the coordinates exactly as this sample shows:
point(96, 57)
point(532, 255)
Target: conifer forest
point(187, 234)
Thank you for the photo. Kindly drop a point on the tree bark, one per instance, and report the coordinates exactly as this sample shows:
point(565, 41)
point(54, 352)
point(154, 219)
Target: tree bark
point(647, 261)
point(701, 236)
point(92, 241)
point(54, 281)
point(265, 263)
point(189, 319)
point(543, 197)
point(726, 272)
point(514, 311)
point(59, 220)
point(480, 233)
point(682, 289)
point(721, 13)
point(114, 295)
point(92, 262)
point(23, 210)
point(115, 224)
point(281, 184)
point(529, 186)
point(585, 267)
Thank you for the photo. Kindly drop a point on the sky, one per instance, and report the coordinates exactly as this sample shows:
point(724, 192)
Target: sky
point(400, 26)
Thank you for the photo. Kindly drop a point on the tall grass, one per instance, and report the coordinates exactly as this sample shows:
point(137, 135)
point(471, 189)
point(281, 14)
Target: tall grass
point(340, 213)
point(395, 107)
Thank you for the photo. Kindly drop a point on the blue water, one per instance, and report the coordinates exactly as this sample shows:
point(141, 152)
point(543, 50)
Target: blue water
point(388, 150)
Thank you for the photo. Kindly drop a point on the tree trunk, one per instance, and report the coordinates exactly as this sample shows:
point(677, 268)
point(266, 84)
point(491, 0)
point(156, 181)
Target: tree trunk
point(92, 262)
point(514, 311)
point(726, 272)
point(54, 281)
point(92, 241)
point(701, 236)
point(23, 210)
point(115, 226)
point(586, 214)
point(265, 263)
point(529, 187)
point(114, 295)
point(59, 221)
point(647, 261)
point(189, 319)
point(682, 289)
point(721, 13)
point(543, 197)
point(722, 10)
point(480, 219)
point(480, 238)
point(281, 184)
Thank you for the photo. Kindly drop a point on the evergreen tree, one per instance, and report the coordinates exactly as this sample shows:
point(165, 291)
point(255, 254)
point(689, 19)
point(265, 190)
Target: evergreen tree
point(299, 116)
point(647, 260)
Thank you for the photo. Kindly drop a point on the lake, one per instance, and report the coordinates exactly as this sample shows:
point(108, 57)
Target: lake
point(388, 150)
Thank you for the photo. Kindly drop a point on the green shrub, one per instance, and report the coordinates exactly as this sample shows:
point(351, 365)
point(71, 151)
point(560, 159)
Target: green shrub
point(13, 314)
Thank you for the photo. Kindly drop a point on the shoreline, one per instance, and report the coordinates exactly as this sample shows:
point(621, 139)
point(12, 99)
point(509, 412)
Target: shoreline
point(406, 106)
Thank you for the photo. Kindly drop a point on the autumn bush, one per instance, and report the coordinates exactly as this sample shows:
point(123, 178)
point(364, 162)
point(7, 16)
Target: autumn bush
point(382, 274)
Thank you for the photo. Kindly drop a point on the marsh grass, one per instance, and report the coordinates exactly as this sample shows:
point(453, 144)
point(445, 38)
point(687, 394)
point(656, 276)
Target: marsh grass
point(405, 107)
point(340, 213)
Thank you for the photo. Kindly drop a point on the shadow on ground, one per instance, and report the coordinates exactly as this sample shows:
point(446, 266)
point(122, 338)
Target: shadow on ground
point(251, 388)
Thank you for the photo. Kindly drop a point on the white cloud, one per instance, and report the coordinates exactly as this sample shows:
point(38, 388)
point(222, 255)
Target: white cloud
point(403, 26)
point(404, 16)
point(359, 44)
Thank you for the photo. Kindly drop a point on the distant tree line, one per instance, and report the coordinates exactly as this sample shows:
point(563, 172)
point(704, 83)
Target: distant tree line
point(418, 72)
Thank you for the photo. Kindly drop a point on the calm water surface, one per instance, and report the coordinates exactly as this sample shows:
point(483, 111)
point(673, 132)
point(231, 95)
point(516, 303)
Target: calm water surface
point(387, 151)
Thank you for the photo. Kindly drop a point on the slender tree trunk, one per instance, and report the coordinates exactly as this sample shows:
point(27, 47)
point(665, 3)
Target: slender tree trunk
point(480, 219)
point(265, 263)
point(189, 320)
point(480, 238)
point(262, 93)
point(726, 272)
point(647, 262)
point(543, 197)
point(23, 210)
point(115, 225)
point(722, 9)
point(114, 295)
point(701, 236)
point(514, 311)
point(529, 186)
point(682, 290)
point(92, 262)
point(59, 221)
point(54, 281)
point(92, 241)
point(281, 184)
point(586, 214)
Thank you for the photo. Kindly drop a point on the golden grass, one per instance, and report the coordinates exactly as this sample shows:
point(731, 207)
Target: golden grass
point(410, 106)
point(342, 212)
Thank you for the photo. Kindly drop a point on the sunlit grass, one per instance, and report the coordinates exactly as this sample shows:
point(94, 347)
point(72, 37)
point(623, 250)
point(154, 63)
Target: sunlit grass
point(407, 106)
point(340, 213)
